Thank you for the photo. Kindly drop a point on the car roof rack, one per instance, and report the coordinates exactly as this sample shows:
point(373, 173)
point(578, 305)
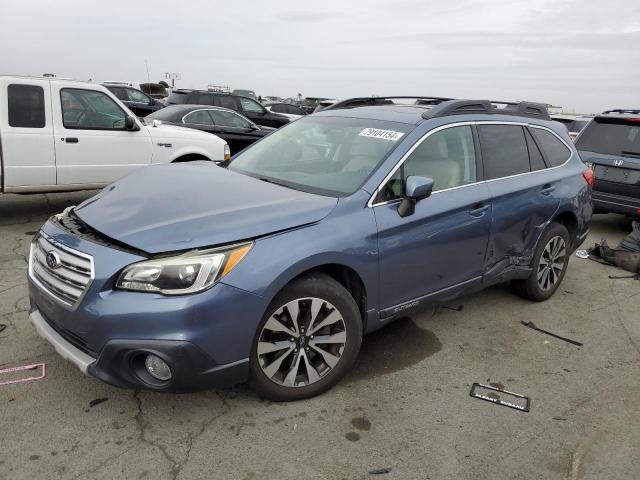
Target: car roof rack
point(378, 100)
point(491, 107)
point(630, 111)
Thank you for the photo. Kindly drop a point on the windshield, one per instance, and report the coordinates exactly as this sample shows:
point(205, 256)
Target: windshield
point(330, 155)
point(610, 138)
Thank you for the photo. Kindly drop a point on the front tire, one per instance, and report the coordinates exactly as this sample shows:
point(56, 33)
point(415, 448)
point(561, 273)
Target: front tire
point(549, 263)
point(307, 341)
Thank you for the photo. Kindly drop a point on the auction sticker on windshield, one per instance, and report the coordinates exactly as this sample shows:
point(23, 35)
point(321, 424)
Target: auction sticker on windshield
point(383, 134)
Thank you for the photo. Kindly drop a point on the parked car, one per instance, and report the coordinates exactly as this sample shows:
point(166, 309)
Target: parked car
point(272, 269)
point(611, 145)
point(58, 135)
point(574, 123)
point(292, 111)
point(238, 131)
point(138, 102)
point(245, 93)
point(243, 105)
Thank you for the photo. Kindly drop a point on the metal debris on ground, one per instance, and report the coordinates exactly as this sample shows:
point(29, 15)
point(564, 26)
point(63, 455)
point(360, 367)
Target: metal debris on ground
point(24, 368)
point(582, 254)
point(2, 327)
point(532, 326)
point(626, 255)
point(97, 401)
point(379, 471)
point(524, 404)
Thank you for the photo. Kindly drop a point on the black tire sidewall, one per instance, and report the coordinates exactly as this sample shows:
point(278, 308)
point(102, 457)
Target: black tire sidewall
point(319, 286)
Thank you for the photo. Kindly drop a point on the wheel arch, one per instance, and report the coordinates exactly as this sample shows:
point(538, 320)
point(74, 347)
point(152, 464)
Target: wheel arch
point(190, 157)
point(569, 220)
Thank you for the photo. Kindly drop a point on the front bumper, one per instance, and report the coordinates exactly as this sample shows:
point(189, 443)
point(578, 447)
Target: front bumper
point(205, 338)
point(611, 203)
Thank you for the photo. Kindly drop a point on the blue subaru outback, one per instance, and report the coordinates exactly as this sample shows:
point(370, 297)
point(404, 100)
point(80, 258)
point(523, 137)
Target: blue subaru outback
point(191, 276)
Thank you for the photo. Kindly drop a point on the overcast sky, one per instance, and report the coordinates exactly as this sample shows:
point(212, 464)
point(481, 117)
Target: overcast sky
point(581, 54)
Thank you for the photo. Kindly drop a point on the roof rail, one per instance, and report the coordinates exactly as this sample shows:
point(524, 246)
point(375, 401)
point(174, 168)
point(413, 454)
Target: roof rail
point(633, 111)
point(375, 100)
point(467, 107)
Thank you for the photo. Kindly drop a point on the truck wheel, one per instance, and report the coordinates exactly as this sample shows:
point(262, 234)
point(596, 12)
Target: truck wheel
point(549, 264)
point(307, 340)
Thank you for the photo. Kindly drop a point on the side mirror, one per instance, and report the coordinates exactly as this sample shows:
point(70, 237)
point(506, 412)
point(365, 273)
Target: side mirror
point(130, 124)
point(416, 188)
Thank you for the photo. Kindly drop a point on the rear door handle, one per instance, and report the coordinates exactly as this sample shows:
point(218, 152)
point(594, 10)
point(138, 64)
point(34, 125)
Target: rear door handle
point(71, 139)
point(547, 189)
point(478, 210)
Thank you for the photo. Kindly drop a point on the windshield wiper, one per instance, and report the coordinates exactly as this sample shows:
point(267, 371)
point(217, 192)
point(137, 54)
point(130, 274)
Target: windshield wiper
point(268, 180)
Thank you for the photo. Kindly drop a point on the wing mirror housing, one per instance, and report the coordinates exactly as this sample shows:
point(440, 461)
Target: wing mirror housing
point(130, 124)
point(416, 189)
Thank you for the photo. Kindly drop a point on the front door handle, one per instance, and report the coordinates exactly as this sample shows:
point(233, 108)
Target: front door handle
point(71, 139)
point(478, 210)
point(547, 189)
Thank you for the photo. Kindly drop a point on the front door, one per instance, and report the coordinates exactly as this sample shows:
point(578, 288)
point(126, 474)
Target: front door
point(442, 245)
point(92, 145)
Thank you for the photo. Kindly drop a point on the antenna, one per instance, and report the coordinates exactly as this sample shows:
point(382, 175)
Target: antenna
point(148, 76)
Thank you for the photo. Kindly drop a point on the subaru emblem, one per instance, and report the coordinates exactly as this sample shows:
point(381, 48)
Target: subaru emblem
point(53, 260)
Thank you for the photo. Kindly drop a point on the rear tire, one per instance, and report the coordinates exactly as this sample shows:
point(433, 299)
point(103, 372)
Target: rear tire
point(307, 340)
point(550, 261)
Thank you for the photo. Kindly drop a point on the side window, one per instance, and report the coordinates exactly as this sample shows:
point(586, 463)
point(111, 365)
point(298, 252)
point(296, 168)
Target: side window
point(136, 96)
point(228, 119)
point(226, 102)
point(120, 93)
point(249, 105)
point(203, 99)
point(26, 106)
point(90, 110)
point(504, 150)
point(199, 117)
point(447, 156)
point(556, 152)
point(392, 190)
point(295, 110)
point(279, 108)
point(535, 157)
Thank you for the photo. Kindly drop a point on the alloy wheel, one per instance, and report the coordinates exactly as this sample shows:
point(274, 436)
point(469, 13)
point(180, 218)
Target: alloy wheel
point(301, 342)
point(551, 263)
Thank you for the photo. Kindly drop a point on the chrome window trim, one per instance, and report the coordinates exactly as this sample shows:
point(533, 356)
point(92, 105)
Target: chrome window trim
point(400, 162)
point(220, 109)
point(71, 251)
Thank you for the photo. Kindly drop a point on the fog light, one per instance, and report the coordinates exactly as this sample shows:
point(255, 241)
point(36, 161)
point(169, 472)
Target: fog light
point(157, 368)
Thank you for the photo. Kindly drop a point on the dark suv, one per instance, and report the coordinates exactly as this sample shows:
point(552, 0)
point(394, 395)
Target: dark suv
point(138, 102)
point(271, 270)
point(246, 106)
point(611, 145)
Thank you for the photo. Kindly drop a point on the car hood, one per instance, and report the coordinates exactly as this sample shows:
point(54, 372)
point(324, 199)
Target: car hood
point(165, 131)
point(175, 207)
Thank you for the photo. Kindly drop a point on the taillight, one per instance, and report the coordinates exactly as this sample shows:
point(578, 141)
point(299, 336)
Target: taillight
point(589, 176)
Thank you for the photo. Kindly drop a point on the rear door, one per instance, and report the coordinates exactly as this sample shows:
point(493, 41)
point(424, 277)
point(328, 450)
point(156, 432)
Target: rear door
point(27, 143)
point(523, 192)
point(92, 145)
point(443, 243)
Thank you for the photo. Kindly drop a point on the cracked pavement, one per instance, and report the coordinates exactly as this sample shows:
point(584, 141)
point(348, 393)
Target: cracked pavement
point(405, 407)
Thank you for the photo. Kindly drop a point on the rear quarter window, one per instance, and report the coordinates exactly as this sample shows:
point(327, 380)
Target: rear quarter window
point(556, 152)
point(504, 150)
point(26, 106)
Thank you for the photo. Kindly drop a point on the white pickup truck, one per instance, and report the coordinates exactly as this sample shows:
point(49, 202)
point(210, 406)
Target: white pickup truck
point(61, 135)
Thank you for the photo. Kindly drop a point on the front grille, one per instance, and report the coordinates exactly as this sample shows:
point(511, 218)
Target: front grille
point(73, 338)
point(67, 277)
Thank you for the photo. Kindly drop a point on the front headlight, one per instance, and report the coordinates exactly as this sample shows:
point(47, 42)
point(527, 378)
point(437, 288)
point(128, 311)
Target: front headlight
point(183, 274)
